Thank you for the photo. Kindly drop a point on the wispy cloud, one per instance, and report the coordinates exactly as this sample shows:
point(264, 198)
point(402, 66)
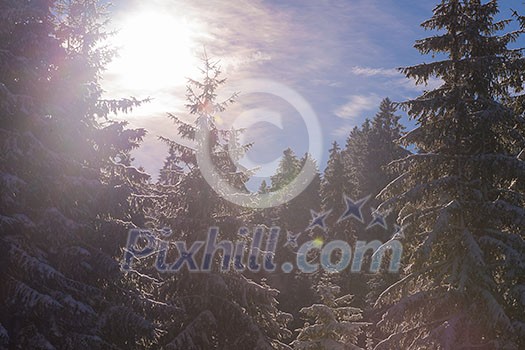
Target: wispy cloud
point(371, 72)
point(356, 105)
point(352, 112)
point(393, 79)
point(235, 63)
point(342, 131)
point(327, 83)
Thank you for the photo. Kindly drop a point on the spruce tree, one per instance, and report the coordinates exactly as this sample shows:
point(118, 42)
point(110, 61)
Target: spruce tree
point(294, 218)
point(354, 156)
point(299, 208)
point(335, 324)
point(218, 309)
point(264, 188)
point(67, 187)
point(370, 148)
point(333, 183)
point(295, 215)
point(462, 219)
point(382, 148)
point(289, 167)
point(368, 151)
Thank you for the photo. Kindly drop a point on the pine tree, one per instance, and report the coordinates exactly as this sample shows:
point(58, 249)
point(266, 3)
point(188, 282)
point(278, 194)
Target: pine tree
point(354, 156)
point(217, 309)
point(333, 183)
point(382, 148)
point(289, 167)
point(263, 188)
point(336, 325)
point(368, 151)
point(171, 172)
point(61, 197)
point(295, 214)
point(298, 209)
point(370, 148)
point(293, 218)
point(462, 219)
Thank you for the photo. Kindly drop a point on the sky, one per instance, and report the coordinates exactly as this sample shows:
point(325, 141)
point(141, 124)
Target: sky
point(307, 71)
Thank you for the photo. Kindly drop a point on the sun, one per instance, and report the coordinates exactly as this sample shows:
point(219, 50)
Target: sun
point(155, 51)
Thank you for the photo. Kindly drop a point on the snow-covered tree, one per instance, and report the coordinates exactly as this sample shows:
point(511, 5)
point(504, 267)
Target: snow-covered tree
point(463, 219)
point(357, 171)
point(331, 324)
point(66, 198)
point(218, 309)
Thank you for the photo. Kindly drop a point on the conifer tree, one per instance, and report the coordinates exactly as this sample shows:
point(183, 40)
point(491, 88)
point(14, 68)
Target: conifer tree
point(64, 194)
point(333, 183)
point(335, 324)
point(294, 218)
point(264, 188)
point(382, 148)
point(368, 151)
point(354, 156)
point(219, 309)
point(370, 148)
point(462, 219)
point(295, 214)
point(171, 172)
point(289, 167)
point(298, 209)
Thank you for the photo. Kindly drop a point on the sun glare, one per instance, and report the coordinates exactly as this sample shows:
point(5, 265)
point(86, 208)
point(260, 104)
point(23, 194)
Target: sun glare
point(155, 51)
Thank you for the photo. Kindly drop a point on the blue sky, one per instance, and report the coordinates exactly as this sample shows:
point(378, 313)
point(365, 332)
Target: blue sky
point(339, 56)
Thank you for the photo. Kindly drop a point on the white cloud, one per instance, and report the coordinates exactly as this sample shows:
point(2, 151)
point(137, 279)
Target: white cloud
point(371, 72)
point(326, 83)
point(342, 131)
point(393, 79)
point(234, 63)
point(356, 105)
point(432, 83)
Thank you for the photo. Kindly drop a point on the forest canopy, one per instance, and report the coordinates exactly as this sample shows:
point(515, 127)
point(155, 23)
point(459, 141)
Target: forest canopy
point(408, 234)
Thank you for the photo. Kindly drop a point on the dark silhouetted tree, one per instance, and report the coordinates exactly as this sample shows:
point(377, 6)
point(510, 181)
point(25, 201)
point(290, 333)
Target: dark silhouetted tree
point(218, 309)
point(463, 287)
point(67, 187)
